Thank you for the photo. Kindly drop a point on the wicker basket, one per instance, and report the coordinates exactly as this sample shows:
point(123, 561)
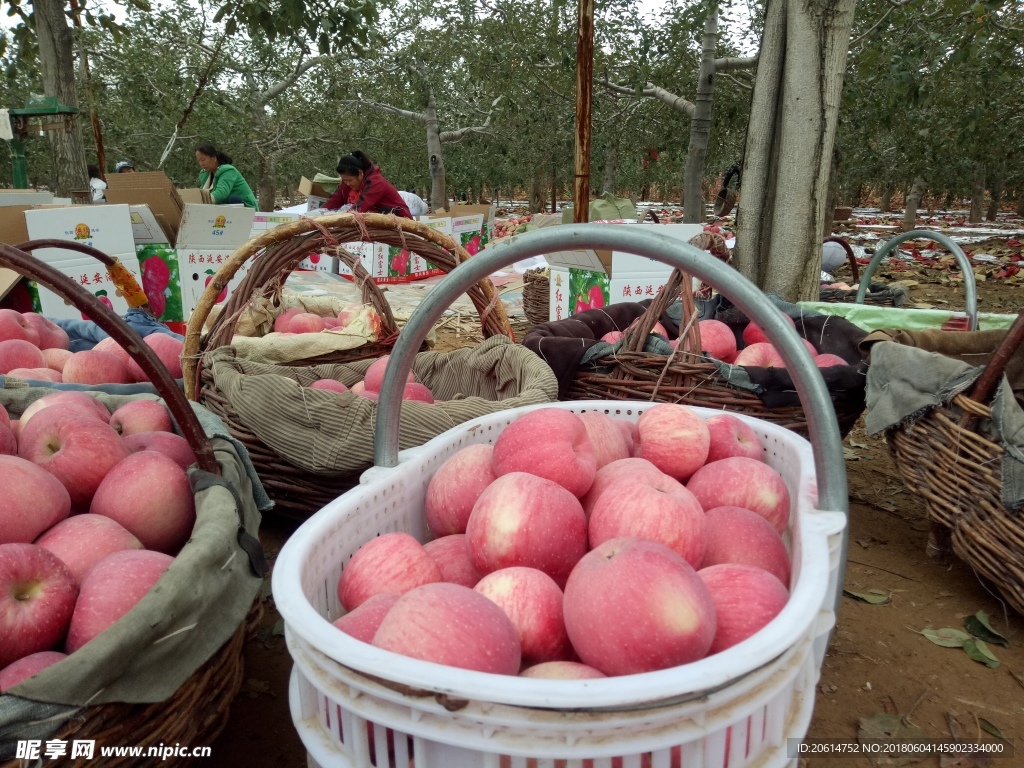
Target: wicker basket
point(687, 376)
point(946, 459)
point(536, 297)
point(296, 491)
point(198, 711)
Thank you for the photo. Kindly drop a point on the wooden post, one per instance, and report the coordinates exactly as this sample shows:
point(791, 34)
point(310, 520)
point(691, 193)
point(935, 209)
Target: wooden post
point(584, 104)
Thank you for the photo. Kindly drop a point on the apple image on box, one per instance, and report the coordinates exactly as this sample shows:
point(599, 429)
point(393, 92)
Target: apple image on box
point(37, 598)
point(534, 604)
point(737, 535)
point(451, 553)
point(31, 665)
point(455, 487)
point(392, 563)
point(674, 439)
point(452, 625)
point(550, 443)
point(635, 606)
point(78, 451)
point(606, 437)
point(746, 483)
point(364, 621)
point(31, 500)
point(746, 599)
point(148, 494)
point(141, 416)
point(525, 520)
point(83, 540)
point(110, 589)
point(732, 437)
point(561, 670)
point(169, 444)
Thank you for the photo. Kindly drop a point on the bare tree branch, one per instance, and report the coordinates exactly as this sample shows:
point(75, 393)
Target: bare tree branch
point(652, 91)
point(740, 83)
point(282, 85)
point(419, 117)
point(735, 63)
point(454, 137)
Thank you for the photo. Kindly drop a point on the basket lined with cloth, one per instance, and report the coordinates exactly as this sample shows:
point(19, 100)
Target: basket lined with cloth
point(168, 670)
point(956, 432)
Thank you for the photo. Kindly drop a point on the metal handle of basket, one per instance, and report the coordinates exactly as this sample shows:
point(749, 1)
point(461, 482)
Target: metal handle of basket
point(970, 286)
point(24, 264)
point(641, 241)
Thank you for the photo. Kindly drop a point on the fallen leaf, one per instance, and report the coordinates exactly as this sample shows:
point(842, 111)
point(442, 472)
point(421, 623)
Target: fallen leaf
point(873, 596)
point(883, 728)
point(923, 305)
point(946, 637)
point(980, 652)
point(979, 626)
point(991, 728)
point(865, 543)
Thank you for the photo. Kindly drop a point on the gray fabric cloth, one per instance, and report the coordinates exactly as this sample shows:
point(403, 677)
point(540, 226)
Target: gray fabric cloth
point(144, 388)
point(327, 432)
point(197, 605)
point(16, 396)
point(904, 383)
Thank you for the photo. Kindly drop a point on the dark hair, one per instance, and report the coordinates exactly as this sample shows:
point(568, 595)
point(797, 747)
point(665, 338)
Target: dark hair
point(353, 164)
point(94, 172)
point(211, 151)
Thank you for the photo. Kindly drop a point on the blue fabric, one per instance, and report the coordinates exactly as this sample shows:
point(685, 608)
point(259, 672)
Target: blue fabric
point(85, 334)
point(144, 388)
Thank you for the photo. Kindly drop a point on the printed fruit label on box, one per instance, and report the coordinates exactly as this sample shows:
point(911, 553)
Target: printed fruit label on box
point(161, 281)
point(398, 262)
point(587, 290)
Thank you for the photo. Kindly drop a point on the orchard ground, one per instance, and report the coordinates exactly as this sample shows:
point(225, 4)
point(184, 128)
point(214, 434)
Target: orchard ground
point(877, 663)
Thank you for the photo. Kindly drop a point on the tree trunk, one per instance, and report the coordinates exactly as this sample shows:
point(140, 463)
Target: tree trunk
point(289, 194)
point(790, 137)
point(997, 197)
point(917, 190)
point(267, 194)
point(554, 188)
point(978, 195)
point(537, 191)
point(611, 167)
point(438, 194)
point(700, 124)
point(886, 203)
point(56, 60)
point(947, 204)
point(1020, 203)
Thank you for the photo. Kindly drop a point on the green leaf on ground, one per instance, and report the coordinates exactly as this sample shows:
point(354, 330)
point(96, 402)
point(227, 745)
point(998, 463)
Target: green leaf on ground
point(979, 626)
point(873, 596)
point(946, 637)
point(991, 728)
point(980, 652)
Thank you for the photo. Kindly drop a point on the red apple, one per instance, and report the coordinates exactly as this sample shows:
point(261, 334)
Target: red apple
point(451, 553)
point(168, 350)
point(534, 604)
point(83, 540)
point(613, 337)
point(329, 385)
point(451, 625)
point(348, 314)
point(8, 442)
point(752, 334)
point(37, 598)
point(810, 347)
point(732, 437)
point(92, 367)
point(86, 403)
point(550, 443)
point(36, 374)
point(331, 323)
point(55, 359)
point(634, 606)
point(374, 378)
point(31, 500)
point(78, 451)
point(674, 439)
point(629, 433)
point(5, 418)
point(141, 416)
point(150, 496)
point(610, 473)
point(173, 446)
point(829, 360)
point(737, 535)
point(111, 589)
point(561, 670)
point(364, 621)
point(718, 340)
point(282, 321)
point(746, 483)
point(45, 418)
point(760, 355)
point(51, 335)
point(306, 322)
point(455, 487)
point(27, 667)
point(525, 520)
point(416, 391)
point(111, 347)
point(14, 327)
point(392, 563)
point(359, 388)
point(746, 599)
point(17, 353)
point(607, 439)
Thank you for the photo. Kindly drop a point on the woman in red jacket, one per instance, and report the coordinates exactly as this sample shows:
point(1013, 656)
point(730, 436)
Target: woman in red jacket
point(365, 189)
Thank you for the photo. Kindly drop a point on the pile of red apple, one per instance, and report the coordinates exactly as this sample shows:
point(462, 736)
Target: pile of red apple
point(718, 341)
point(93, 506)
point(373, 380)
point(295, 321)
point(33, 348)
point(581, 547)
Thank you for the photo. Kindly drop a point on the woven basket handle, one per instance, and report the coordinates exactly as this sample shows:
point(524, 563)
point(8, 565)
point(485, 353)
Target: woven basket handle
point(855, 268)
point(679, 284)
point(993, 372)
point(45, 275)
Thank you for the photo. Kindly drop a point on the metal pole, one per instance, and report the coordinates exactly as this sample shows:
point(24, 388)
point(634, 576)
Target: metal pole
point(584, 107)
point(19, 164)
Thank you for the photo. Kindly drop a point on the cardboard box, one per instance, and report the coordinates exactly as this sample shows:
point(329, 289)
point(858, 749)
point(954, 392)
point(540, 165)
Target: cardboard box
point(153, 189)
point(107, 228)
point(92, 276)
point(196, 268)
point(13, 229)
point(146, 228)
point(469, 231)
point(315, 194)
point(24, 197)
point(222, 227)
point(197, 196)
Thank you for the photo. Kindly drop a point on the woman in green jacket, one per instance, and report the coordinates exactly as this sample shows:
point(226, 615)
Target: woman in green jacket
point(222, 179)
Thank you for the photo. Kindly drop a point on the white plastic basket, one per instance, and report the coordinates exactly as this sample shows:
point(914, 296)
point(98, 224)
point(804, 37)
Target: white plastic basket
point(350, 700)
